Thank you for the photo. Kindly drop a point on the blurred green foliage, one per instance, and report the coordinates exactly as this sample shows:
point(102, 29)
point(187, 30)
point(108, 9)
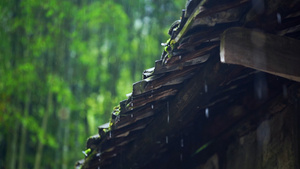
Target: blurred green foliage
point(64, 65)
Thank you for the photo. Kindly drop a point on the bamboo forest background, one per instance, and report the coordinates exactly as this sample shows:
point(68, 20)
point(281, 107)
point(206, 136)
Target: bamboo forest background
point(64, 65)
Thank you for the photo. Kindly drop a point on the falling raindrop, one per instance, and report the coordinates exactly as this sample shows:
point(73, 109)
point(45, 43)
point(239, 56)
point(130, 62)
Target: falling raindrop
point(278, 18)
point(109, 134)
point(261, 86)
point(180, 57)
point(152, 91)
point(207, 112)
point(205, 87)
point(167, 139)
point(181, 157)
point(181, 143)
point(168, 118)
point(168, 110)
point(131, 115)
point(131, 104)
point(152, 106)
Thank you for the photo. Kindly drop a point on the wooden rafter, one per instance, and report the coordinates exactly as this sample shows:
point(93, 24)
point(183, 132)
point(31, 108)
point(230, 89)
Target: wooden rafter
point(269, 53)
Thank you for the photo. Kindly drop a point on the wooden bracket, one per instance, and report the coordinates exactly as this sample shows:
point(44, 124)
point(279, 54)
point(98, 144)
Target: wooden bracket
point(269, 53)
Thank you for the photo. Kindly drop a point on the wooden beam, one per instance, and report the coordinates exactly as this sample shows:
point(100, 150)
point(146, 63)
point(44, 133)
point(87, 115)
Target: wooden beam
point(269, 53)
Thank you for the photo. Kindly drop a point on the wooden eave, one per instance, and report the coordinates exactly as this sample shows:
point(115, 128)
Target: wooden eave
point(189, 104)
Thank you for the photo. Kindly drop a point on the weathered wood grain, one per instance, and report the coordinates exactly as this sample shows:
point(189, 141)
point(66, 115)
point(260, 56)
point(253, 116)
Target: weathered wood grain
point(265, 52)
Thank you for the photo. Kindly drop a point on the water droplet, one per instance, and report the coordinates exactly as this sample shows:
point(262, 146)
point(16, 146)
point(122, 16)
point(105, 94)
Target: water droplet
point(261, 86)
point(131, 104)
point(181, 157)
point(85, 154)
point(167, 139)
point(278, 18)
point(110, 134)
point(181, 143)
point(207, 112)
point(180, 57)
point(152, 106)
point(168, 110)
point(152, 91)
point(205, 87)
point(168, 118)
point(131, 115)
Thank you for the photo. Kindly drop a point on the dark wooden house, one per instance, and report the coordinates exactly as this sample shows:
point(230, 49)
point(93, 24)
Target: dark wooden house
point(225, 94)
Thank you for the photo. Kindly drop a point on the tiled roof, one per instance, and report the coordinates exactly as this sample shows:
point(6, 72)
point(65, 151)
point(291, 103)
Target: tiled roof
point(180, 101)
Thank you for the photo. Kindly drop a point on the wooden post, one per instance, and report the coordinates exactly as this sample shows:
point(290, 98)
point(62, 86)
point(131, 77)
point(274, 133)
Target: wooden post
point(269, 53)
